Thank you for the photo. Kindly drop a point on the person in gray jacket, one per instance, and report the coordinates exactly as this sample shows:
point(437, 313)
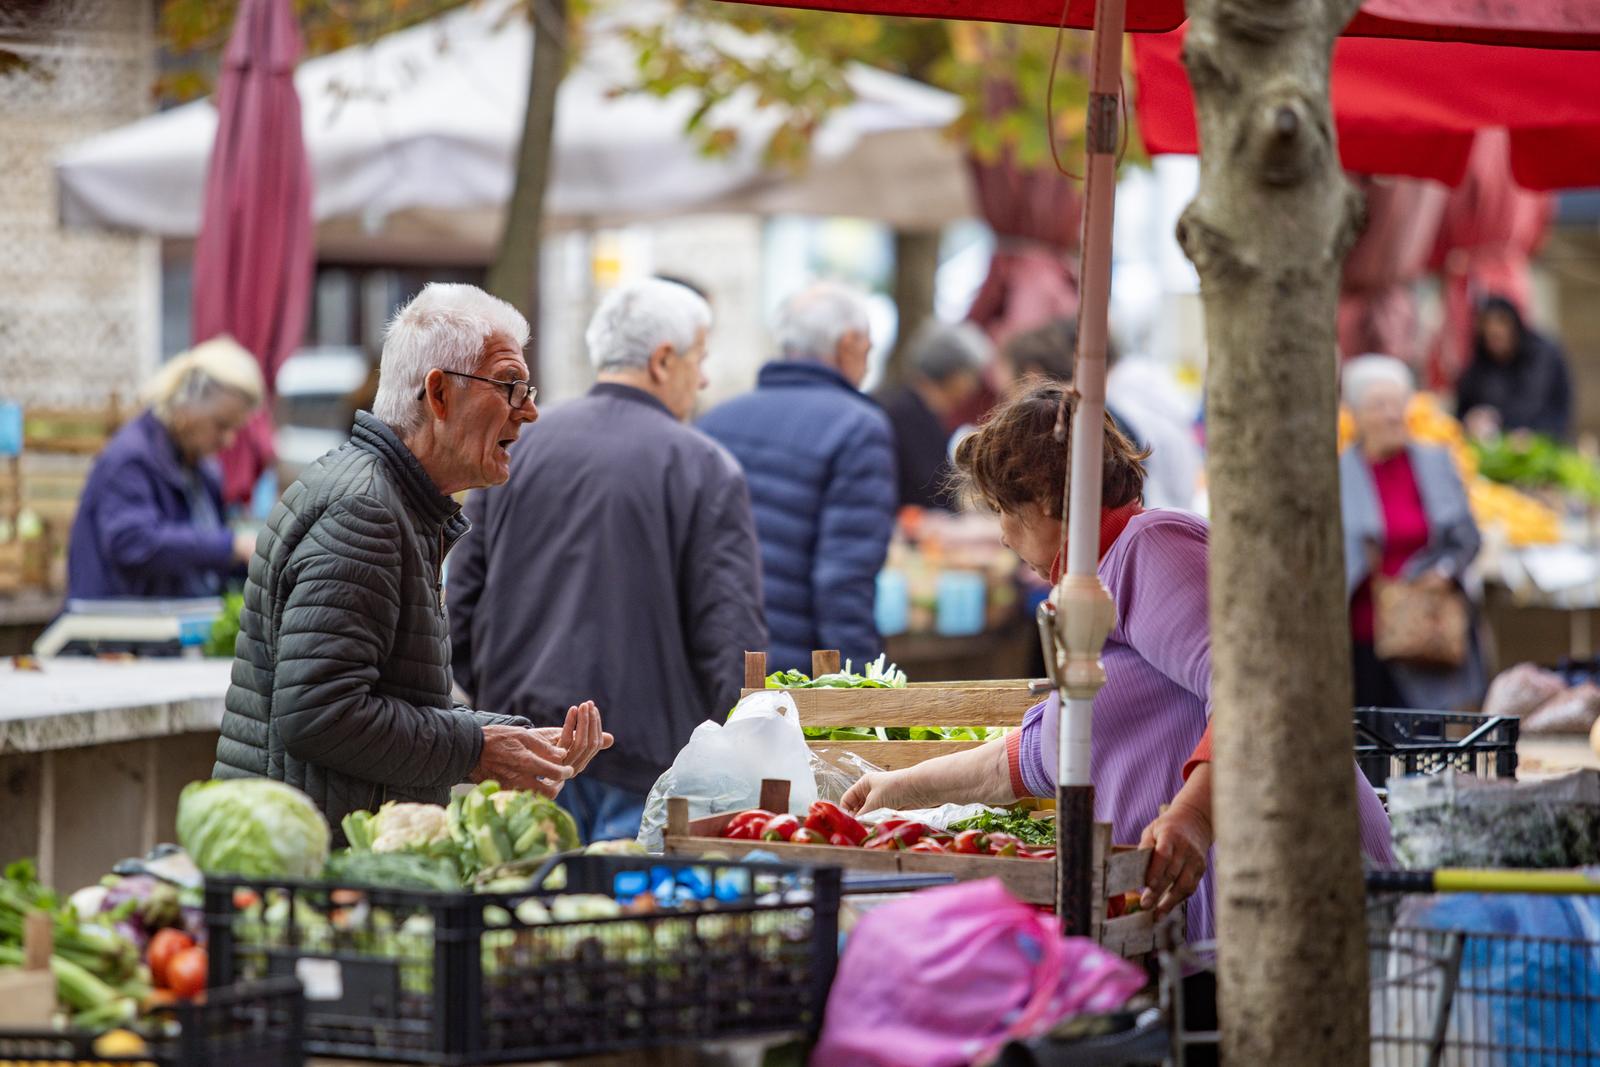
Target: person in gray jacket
point(619, 561)
point(341, 676)
point(1406, 510)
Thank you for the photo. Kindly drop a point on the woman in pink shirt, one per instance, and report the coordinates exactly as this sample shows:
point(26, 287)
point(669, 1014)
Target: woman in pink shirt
point(1406, 510)
point(1153, 713)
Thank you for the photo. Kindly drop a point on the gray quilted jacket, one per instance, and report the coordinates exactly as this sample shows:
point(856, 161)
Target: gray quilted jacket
point(341, 675)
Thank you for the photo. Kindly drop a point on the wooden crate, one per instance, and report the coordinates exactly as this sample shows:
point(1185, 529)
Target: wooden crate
point(79, 430)
point(1119, 869)
point(981, 703)
point(12, 567)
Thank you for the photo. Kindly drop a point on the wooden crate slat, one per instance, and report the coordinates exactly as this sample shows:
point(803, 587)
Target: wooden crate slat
point(1129, 935)
point(1125, 870)
point(1030, 880)
point(947, 706)
point(1019, 684)
point(893, 755)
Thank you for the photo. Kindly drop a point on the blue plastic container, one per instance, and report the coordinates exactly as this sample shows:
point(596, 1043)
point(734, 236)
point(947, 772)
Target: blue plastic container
point(892, 608)
point(962, 599)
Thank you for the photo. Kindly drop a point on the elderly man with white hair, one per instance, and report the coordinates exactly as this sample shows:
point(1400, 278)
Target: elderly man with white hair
point(619, 561)
point(341, 676)
point(1406, 519)
point(821, 463)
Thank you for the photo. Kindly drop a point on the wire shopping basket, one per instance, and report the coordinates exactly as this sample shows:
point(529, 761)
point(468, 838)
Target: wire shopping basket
point(1450, 984)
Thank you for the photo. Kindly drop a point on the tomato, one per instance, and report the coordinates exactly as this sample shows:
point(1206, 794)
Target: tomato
point(186, 973)
point(163, 947)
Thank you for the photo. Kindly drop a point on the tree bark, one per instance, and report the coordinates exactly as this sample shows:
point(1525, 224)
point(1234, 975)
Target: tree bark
point(1268, 232)
point(916, 269)
point(514, 274)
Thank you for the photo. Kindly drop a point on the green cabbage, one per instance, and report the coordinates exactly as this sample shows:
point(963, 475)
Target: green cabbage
point(254, 827)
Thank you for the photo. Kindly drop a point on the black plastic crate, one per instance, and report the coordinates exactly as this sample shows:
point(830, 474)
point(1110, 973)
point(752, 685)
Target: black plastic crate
point(251, 1024)
point(1399, 741)
point(464, 978)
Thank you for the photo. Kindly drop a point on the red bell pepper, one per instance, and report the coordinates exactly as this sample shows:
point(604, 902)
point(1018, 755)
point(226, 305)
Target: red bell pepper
point(928, 844)
point(1003, 845)
point(804, 836)
point(780, 828)
point(839, 839)
point(902, 836)
point(828, 819)
point(971, 843)
point(747, 825)
point(1037, 853)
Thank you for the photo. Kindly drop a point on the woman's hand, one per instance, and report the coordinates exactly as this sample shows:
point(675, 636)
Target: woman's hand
point(1181, 838)
point(975, 776)
point(884, 789)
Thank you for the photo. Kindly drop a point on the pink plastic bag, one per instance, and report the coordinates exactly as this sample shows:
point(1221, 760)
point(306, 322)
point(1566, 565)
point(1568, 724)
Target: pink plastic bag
point(948, 976)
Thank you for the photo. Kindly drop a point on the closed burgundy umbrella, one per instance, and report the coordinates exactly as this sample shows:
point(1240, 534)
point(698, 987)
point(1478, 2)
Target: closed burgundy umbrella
point(253, 258)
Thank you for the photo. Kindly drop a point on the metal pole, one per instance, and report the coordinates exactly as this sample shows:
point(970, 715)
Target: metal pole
point(1085, 611)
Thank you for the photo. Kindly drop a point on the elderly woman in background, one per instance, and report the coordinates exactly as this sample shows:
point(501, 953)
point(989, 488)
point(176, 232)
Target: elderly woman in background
point(1406, 511)
point(150, 521)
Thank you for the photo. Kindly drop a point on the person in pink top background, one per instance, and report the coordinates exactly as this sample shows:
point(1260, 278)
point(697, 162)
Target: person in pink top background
point(1151, 719)
point(1405, 508)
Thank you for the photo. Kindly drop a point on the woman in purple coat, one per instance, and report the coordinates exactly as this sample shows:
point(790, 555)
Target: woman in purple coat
point(1151, 718)
point(150, 522)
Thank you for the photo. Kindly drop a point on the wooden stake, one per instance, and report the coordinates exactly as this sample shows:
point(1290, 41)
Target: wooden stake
point(677, 816)
point(755, 670)
point(824, 662)
point(775, 794)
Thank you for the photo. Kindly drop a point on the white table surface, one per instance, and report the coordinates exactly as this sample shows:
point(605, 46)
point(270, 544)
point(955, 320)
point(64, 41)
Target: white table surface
point(70, 702)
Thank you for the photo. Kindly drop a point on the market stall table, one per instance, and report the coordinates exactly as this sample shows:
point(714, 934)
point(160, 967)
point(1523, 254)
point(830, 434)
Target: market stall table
point(93, 754)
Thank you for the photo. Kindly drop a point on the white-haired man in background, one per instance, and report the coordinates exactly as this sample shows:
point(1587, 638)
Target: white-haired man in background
point(618, 562)
point(341, 675)
point(820, 460)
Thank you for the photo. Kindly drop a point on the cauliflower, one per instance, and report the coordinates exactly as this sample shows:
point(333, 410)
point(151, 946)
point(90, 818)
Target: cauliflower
point(401, 827)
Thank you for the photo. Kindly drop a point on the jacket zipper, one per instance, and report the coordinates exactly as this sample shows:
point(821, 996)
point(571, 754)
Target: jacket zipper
point(438, 575)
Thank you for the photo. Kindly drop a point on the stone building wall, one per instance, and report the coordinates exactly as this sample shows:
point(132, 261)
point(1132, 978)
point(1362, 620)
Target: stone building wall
point(78, 308)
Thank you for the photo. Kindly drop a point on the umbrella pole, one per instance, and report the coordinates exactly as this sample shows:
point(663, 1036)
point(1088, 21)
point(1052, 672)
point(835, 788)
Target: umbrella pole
point(1086, 613)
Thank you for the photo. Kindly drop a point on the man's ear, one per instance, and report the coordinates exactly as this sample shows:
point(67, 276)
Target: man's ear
point(658, 361)
point(434, 391)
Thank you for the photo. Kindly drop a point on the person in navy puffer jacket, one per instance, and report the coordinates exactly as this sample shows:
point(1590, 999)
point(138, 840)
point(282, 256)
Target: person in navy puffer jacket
point(819, 457)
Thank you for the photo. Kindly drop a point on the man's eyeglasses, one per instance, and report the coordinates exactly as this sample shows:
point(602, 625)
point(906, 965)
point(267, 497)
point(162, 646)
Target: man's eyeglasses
point(518, 392)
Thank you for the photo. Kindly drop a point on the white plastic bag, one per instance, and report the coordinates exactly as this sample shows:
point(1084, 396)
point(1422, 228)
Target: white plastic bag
point(722, 766)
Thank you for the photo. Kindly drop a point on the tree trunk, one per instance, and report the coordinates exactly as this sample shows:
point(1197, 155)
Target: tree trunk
point(514, 274)
point(916, 268)
point(1268, 232)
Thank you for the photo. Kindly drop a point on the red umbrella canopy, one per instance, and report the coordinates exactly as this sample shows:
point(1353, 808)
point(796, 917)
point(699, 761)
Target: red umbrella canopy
point(1535, 23)
point(1396, 114)
point(253, 258)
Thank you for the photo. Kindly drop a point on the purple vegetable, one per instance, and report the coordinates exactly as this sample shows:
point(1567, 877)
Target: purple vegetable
point(130, 930)
point(194, 923)
point(147, 901)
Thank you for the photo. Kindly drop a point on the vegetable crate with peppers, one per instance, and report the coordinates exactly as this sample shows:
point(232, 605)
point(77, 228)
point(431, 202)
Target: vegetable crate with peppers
point(253, 1024)
point(882, 718)
point(596, 954)
point(825, 834)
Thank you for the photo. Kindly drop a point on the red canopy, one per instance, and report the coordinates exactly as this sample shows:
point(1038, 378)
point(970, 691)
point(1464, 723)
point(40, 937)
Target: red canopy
point(1535, 23)
point(1414, 107)
point(253, 258)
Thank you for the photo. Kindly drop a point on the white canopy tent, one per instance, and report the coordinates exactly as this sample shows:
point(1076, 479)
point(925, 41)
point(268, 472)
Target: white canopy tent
point(413, 140)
